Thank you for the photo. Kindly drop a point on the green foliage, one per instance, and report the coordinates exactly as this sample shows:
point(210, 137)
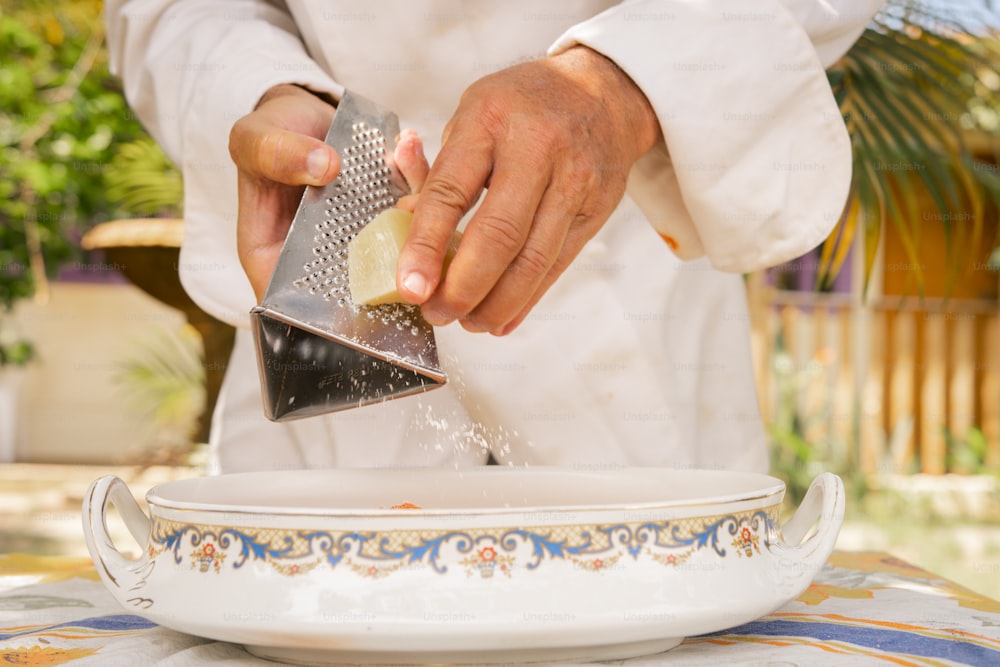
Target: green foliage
point(163, 382)
point(967, 455)
point(916, 87)
point(62, 119)
point(144, 181)
point(16, 353)
point(794, 460)
point(802, 444)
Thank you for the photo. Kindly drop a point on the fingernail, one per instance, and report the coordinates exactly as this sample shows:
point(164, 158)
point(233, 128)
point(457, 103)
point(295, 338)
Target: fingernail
point(411, 136)
point(416, 285)
point(318, 163)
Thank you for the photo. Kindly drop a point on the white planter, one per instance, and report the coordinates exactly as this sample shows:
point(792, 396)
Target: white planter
point(10, 391)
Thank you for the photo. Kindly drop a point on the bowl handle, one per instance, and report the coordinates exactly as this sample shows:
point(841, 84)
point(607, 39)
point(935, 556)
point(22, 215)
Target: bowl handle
point(801, 555)
point(125, 577)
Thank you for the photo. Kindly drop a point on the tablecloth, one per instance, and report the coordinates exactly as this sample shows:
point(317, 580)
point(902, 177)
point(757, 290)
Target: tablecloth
point(864, 608)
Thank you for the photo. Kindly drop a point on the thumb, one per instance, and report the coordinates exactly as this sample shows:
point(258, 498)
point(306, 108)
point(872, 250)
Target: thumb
point(264, 151)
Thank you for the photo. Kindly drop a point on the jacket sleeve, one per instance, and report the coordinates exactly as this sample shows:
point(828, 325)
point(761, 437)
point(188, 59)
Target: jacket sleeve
point(190, 69)
point(755, 164)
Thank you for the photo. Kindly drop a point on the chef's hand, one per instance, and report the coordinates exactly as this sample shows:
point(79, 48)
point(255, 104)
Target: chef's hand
point(552, 141)
point(278, 150)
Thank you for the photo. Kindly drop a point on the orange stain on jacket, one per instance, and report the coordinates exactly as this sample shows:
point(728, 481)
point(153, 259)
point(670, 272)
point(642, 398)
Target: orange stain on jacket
point(671, 241)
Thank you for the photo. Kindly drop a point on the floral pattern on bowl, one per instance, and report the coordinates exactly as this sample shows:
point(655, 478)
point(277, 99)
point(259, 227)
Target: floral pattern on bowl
point(486, 552)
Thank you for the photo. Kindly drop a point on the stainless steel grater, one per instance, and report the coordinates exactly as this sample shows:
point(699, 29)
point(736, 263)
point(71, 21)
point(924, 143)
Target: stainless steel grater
point(317, 352)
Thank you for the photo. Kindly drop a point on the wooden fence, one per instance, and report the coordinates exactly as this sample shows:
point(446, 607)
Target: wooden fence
point(891, 380)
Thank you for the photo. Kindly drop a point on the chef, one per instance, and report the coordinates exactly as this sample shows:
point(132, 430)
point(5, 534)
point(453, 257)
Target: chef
point(615, 168)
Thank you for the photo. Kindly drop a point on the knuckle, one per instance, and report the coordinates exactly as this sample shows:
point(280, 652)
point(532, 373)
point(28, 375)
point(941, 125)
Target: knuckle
point(500, 231)
point(581, 171)
point(578, 183)
point(485, 111)
point(422, 246)
point(256, 152)
point(532, 262)
point(553, 137)
point(267, 152)
point(493, 112)
point(446, 192)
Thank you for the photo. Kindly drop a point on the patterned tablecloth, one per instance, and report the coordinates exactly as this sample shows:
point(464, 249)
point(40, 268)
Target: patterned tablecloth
point(864, 608)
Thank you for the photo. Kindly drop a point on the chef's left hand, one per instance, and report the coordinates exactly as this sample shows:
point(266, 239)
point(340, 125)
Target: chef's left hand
point(552, 142)
point(278, 149)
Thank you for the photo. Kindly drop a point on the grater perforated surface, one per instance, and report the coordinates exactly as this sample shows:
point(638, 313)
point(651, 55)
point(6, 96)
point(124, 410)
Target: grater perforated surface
point(358, 195)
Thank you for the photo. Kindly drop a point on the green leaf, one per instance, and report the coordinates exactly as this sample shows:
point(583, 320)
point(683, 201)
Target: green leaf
point(143, 181)
point(902, 138)
point(906, 89)
point(18, 353)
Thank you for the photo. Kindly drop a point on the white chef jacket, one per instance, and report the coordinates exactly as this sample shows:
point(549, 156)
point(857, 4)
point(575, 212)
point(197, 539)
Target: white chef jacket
point(640, 353)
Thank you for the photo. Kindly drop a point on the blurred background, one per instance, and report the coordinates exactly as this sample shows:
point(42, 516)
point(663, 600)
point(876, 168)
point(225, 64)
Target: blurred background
point(878, 355)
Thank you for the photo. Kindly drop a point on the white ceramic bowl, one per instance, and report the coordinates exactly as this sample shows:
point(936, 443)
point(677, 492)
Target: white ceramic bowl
point(498, 564)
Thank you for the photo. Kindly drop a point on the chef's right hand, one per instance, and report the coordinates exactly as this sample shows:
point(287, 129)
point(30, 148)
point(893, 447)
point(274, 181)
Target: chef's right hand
point(278, 150)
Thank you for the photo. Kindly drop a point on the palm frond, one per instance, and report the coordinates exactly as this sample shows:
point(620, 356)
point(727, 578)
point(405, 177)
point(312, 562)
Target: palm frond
point(162, 380)
point(915, 87)
point(143, 181)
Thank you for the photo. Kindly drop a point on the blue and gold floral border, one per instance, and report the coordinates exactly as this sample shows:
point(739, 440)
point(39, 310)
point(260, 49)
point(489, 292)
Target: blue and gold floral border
point(485, 553)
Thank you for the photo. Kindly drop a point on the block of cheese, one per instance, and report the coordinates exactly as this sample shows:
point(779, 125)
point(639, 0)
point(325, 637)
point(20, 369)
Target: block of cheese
point(373, 255)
